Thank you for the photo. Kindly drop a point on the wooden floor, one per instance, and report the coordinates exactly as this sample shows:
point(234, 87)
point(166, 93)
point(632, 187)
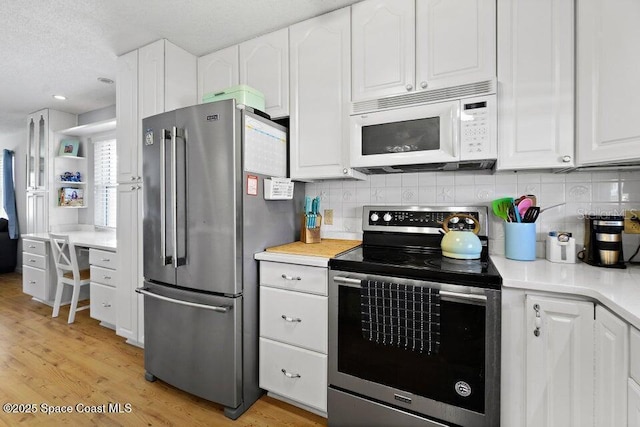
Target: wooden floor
point(46, 361)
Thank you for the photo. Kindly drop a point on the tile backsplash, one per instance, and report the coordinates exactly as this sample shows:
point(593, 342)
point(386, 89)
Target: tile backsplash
point(581, 192)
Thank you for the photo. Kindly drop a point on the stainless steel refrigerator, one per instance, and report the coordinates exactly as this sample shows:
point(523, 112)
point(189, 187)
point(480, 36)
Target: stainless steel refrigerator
point(205, 217)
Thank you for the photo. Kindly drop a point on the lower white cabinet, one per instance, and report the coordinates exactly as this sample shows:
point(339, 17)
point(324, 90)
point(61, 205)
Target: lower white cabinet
point(103, 292)
point(294, 333)
point(39, 277)
point(567, 362)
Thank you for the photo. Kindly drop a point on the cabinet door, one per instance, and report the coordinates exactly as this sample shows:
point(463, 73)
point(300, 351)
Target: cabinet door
point(455, 42)
point(559, 362)
point(127, 131)
point(320, 87)
point(129, 247)
point(608, 105)
point(633, 411)
point(384, 45)
point(217, 71)
point(264, 65)
point(535, 84)
point(180, 84)
point(37, 212)
point(37, 146)
point(611, 369)
point(151, 79)
point(31, 152)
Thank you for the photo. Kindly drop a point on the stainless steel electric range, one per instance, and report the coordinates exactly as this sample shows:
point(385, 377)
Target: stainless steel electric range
point(414, 336)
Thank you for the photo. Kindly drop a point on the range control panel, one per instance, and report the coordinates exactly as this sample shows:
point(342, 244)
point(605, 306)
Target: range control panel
point(420, 219)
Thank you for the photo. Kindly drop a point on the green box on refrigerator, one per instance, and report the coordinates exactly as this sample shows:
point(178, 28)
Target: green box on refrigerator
point(243, 94)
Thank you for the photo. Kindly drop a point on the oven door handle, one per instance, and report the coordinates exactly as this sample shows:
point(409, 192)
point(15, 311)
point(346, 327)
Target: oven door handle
point(482, 299)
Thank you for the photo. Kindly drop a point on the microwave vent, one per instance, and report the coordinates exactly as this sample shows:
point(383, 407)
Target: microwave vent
point(425, 97)
point(428, 167)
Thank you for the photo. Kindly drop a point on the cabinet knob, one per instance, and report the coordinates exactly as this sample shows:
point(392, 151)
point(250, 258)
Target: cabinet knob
point(133, 187)
point(566, 159)
point(133, 178)
point(424, 85)
point(139, 178)
point(409, 87)
point(536, 331)
point(345, 171)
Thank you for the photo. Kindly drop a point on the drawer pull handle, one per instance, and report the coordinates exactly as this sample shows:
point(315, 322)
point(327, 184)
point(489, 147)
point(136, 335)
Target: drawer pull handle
point(284, 276)
point(32, 260)
point(106, 277)
point(288, 375)
point(106, 304)
point(31, 247)
point(32, 282)
point(106, 259)
point(291, 319)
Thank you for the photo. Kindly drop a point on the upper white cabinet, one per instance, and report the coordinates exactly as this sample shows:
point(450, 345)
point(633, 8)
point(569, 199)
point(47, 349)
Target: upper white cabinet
point(401, 46)
point(559, 362)
point(264, 65)
point(535, 84)
point(320, 50)
point(217, 71)
point(128, 129)
point(608, 106)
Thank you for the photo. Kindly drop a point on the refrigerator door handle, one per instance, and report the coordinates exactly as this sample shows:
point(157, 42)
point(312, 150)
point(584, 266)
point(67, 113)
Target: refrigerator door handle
point(163, 199)
point(175, 134)
point(219, 309)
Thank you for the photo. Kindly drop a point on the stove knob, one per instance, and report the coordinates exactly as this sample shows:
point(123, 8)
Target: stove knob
point(387, 217)
point(374, 217)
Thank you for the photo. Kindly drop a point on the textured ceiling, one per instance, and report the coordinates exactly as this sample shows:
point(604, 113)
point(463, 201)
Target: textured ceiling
point(62, 46)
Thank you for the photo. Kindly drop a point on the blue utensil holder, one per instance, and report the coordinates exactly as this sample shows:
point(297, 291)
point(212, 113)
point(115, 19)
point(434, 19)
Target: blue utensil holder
point(520, 241)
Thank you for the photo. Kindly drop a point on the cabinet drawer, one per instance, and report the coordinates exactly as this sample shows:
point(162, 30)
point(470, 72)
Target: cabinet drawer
point(104, 276)
point(35, 261)
point(36, 247)
point(294, 318)
point(34, 282)
point(634, 356)
point(277, 360)
point(295, 277)
point(102, 258)
point(101, 303)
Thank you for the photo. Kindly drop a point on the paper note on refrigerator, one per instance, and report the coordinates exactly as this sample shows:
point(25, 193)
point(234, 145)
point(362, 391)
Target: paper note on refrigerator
point(265, 148)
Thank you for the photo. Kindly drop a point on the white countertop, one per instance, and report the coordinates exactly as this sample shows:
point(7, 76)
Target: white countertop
point(105, 240)
point(616, 289)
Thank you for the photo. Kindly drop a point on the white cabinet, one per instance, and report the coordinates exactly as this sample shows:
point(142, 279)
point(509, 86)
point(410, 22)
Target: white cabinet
point(408, 45)
point(156, 78)
point(129, 266)
point(217, 71)
point(633, 389)
point(294, 333)
point(559, 362)
point(320, 64)
point(535, 84)
point(42, 147)
point(264, 65)
point(611, 369)
point(608, 106)
point(39, 277)
point(102, 304)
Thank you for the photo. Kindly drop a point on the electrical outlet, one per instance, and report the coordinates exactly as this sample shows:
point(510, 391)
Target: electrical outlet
point(328, 216)
point(632, 221)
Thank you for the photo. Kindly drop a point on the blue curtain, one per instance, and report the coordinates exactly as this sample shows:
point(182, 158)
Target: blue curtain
point(10, 194)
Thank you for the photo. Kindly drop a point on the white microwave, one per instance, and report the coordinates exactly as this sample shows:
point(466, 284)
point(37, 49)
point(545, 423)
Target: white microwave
point(439, 136)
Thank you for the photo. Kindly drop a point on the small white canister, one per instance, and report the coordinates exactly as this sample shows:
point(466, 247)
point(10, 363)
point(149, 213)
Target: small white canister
point(561, 247)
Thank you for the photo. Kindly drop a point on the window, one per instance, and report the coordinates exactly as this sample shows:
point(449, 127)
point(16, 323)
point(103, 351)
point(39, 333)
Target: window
point(105, 182)
point(3, 214)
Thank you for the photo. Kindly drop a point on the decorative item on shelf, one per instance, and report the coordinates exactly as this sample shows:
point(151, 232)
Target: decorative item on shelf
point(72, 197)
point(71, 177)
point(311, 221)
point(69, 147)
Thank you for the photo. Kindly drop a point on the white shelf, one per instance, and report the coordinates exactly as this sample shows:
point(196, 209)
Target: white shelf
point(71, 157)
point(71, 183)
point(73, 207)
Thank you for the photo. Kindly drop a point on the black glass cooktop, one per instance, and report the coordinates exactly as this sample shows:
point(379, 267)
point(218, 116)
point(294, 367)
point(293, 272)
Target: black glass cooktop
point(420, 264)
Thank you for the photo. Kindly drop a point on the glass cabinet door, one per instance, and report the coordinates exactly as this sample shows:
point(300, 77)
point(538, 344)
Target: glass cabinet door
point(42, 151)
point(31, 155)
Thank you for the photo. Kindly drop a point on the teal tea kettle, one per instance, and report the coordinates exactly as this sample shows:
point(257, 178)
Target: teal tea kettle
point(461, 243)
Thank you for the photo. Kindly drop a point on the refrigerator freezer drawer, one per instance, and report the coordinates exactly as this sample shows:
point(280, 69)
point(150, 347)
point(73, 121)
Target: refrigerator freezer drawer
point(193, 342)
point(294, 373)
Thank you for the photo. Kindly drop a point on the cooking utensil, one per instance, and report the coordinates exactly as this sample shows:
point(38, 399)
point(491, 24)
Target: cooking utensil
point(461, 244)
point(531, 215)
point(551, 207)
point(501, 207)
point(524, 204)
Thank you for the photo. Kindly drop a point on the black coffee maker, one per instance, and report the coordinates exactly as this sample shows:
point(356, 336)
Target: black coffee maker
point(603, 241)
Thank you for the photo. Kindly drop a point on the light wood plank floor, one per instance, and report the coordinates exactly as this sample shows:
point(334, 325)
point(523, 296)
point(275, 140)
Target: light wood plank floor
point(47, 361)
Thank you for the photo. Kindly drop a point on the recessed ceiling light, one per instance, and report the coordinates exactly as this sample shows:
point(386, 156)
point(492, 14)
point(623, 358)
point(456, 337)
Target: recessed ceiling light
point(60, 97)
point(105, 80)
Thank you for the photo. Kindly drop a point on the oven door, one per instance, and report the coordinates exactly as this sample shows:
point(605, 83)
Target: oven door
point(411, 135)
point(459, 383)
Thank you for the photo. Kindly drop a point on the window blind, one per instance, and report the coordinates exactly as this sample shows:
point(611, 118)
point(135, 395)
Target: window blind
point(105, 182)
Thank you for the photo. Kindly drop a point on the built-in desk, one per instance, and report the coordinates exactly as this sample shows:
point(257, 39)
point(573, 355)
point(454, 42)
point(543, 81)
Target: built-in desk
point(39, 276)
